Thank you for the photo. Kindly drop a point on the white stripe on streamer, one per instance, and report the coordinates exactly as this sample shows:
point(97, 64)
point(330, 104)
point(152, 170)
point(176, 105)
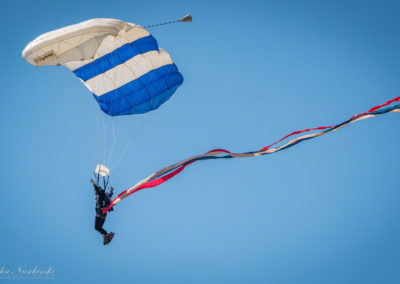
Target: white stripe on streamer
point(170, 171)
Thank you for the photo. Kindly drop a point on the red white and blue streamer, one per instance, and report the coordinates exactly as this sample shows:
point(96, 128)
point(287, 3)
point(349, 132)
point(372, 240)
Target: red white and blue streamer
point(169, 172)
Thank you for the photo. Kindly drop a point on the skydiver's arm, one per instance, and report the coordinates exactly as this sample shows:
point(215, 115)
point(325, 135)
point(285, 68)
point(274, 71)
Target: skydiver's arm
point(111, 192)
point(96, 187)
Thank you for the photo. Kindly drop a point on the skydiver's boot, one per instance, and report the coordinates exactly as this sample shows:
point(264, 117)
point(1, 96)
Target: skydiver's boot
point(110, 236)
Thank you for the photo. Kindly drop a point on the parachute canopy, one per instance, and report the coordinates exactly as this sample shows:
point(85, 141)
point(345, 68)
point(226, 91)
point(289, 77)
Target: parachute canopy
point(119, 62)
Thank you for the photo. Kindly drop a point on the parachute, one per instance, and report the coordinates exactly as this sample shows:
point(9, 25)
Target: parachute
point(122, 66)
point(127, 73)
point(119, 62)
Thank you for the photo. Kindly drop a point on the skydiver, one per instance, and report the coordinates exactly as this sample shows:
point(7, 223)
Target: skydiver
point(103, 199)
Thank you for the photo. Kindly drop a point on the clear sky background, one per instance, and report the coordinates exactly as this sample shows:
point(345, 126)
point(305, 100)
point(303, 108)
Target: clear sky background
point(324, 211)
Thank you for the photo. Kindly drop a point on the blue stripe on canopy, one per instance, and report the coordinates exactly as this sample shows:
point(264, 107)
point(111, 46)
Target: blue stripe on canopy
point(143, 94)
point(116, 57)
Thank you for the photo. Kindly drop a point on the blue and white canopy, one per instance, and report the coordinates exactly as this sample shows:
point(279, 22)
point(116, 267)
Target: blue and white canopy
point(119, 62)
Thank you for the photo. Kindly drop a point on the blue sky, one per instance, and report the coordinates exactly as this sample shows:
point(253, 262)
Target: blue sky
point(325, 211)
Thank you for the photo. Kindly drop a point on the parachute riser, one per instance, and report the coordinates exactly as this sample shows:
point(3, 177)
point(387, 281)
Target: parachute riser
point(96, 178)
point(105, 182)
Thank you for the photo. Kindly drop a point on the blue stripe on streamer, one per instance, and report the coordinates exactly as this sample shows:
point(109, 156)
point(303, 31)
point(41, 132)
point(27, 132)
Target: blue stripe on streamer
point(116, 57)
point(288, 145)
point(143, 94)
point(169, 172)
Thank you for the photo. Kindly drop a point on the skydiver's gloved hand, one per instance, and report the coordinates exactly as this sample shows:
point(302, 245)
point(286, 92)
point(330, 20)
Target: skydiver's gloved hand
point(92, 182)
point(111, 189)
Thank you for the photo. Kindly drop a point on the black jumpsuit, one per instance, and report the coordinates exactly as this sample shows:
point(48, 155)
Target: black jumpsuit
point(103, 199)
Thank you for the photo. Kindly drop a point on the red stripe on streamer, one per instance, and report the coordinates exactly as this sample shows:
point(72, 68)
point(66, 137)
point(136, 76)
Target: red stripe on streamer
point(385, 104)
point(218, 150)
point(375, 108)
point(294, 133)
point(326, 127)
point(163, 179)
point(149, 184)
point(157, 181)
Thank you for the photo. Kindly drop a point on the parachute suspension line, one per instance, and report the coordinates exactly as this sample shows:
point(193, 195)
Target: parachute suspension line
point(75, 107)
point(105, 124)
point(123, 154)
point(105, 127)
point(98, 134)
point(121, 148)
point(106, 183)
point(114, 140)
point(186, 18)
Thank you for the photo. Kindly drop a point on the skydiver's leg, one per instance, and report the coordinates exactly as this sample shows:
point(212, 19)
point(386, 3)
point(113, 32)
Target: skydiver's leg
point(98, 225)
